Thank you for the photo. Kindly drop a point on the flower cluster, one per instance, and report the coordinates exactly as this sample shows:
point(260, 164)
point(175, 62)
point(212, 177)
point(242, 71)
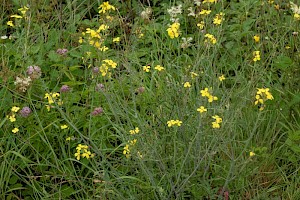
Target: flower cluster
point(94, 37)
point(262, 95)
point(217, 122)
point(97, 111)
point(106, 66)
point(22, 84)
point(62, 52)
point(23, 11)
point(256, 55)
point(218, 18)
point(187, 84)
point(105, 6)
point(174, 11)
point(210, 97)
point(34, 72)
point(174, 122)
point(186, 42)
point(296, 10)
point(201, 25)
point(210, 38)
point(134, 131)
point(52, 98)
point(82, 152)
point(173, 30)
point(24, 112)
point(12, 116)
point(126, 149)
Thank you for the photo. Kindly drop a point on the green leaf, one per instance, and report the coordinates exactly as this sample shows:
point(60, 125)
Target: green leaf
point(54, 57)
point(282, 62)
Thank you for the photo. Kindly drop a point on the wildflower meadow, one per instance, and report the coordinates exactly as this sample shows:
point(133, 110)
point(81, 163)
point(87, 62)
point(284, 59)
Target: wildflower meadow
point(149, 99)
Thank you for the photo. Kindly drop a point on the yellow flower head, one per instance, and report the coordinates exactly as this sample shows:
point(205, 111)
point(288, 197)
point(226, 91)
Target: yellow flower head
point(204, 12)
point(174, 122)
point(251, 154)
point(105, 6)
point(23, 10)
point(256, 38)
point(10, 23)
point(187, 85)
point(218, 18)
point(202, 109)
point(159, 68)
point(146, 68)
point(16, 16)
point(63, 126)
point(15, 130)
point(173, 30)
point(116, 39)
point(15, 109)
point(222, 78)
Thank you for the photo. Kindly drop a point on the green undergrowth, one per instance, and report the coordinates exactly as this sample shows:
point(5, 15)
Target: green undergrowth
point(132, 100)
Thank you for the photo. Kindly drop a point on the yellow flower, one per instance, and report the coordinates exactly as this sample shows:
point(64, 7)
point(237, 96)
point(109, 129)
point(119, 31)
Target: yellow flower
point(193, 75)
point(77, 155)
point(173, 30)
point(174, 122)
point(135, 131)
point(201, 25)
point(204, 92)
point(63, 126)
point(215, 125)
point(159, 68)
point(217, 118)
point(10, 23)
point(117, 39)
point(222, 78)
point(218, 18)
point(105, 6)
point(204, 12)
point(23, 10)
point(15, 109)
point(256, 38)
point(102, 27)
point(256, 55)
point(146, 68)
point(210, 38)
point(12, 118)
point(15, 130)
point(16, 16)
point(202, 109)
point(262, 95)
point(251, 154)
point(210, 1)
point(187, 85)
point(68, 139)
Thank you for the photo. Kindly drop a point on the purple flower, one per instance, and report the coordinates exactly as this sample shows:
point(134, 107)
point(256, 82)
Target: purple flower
point(62, 52)
point(99, 87)
point(34, 72)
point(65, 88)
point(95, 70)
point(25, 112)
point(97, 111)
